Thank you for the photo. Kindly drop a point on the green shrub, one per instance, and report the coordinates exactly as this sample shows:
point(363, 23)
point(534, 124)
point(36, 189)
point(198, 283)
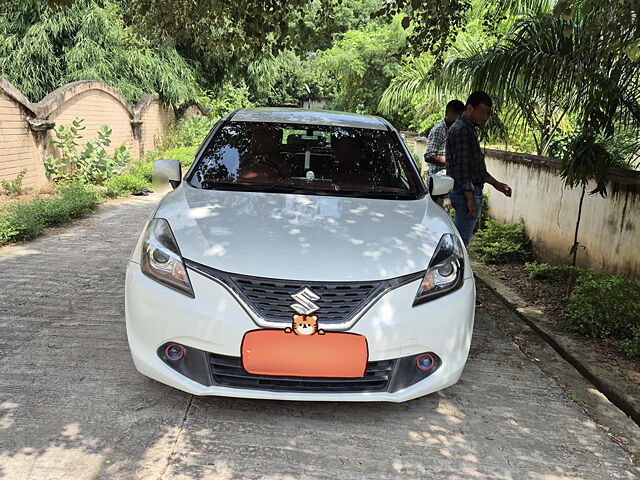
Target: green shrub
point(184, 155)
point(187, 132)
point(91, 163)
point(26, 220)
point(484, 212)
point(142, 169)
point(606, 305)
point(14, 187)
point(125, 184)
point(501, 243)
point(631, 346)
point(228, 98)
point(554, 273)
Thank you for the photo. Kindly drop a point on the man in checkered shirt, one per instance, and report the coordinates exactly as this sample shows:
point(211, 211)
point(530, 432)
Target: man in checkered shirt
point(466, 165)
point(437, 140)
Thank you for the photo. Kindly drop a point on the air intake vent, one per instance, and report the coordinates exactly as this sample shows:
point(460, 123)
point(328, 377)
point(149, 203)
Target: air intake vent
point(228, 372)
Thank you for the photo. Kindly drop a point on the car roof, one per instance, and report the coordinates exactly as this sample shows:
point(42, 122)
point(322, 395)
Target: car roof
point(304, 116)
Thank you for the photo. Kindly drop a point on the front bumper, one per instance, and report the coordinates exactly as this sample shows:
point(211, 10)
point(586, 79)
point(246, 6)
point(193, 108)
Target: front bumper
point(214, 322)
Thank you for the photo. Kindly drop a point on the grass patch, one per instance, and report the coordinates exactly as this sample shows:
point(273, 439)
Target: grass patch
point(502, 243)
point(125, 184)
point(574, 398)
point(185, 155)
point(550, 273)
point(604, 305)
point(138, 175)
point(26, 220)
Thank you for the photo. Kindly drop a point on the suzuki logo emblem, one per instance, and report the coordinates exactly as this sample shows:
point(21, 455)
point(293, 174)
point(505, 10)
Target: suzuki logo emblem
point(305, 299)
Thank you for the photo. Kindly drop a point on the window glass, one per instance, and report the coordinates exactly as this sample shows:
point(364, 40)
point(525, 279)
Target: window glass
point(310, 159)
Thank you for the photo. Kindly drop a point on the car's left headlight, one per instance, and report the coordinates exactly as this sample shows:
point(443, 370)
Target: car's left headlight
point(446, 270)
point(161, 259)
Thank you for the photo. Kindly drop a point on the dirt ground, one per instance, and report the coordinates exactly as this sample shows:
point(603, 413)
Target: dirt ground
point(72, 405)
point(551, 298)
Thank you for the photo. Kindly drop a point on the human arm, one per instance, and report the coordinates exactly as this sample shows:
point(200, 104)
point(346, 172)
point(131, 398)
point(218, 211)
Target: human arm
point(435, 146)
point(501, 187)
point(471, 204)
point(436, 160)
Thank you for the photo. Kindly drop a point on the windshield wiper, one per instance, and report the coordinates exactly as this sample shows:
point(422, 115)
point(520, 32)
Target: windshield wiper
point(295, 189)
point(266, 187)
point(376, 193)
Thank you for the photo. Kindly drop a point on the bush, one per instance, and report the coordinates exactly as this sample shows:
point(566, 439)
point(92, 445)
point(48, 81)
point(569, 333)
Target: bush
point(14, 187)
point(187, 132)
point(501, 243)
point(125, 184)
point(631, 346)
point(227, 99)
point(607, 305)
point(139, 174)
point(23, 221)
point(142, 169)
point(484, 212)
point(184, 155)
point(553, 273)
point(91, 164)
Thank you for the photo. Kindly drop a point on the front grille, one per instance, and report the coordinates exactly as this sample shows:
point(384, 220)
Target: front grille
point(272, 298)
point(269, 301)
point(228, 372)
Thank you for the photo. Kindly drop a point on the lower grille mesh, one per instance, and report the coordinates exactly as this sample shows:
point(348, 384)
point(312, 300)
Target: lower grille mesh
point(228, 372)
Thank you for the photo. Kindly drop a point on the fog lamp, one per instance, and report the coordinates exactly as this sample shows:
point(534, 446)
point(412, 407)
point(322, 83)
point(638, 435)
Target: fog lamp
point(174, 352)
point(425, 361)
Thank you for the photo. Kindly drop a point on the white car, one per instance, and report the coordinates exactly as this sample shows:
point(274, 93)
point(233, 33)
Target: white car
point(301, 257)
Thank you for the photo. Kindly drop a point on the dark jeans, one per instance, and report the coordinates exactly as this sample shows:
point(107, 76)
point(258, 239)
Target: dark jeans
point(464, 225)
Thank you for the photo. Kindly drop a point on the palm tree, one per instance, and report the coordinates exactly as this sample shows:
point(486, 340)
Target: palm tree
point(582, 62)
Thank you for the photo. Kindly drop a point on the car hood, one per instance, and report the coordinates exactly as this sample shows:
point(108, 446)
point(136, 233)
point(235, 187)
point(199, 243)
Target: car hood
point(304, 237)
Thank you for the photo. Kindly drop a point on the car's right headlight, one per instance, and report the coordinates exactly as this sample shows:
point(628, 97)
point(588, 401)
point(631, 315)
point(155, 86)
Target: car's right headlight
point(161, 259)
point(446, 270)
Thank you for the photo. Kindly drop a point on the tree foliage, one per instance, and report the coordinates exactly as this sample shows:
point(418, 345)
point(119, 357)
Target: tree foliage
point(434, 23)
point(361, 64)
point(43, 47)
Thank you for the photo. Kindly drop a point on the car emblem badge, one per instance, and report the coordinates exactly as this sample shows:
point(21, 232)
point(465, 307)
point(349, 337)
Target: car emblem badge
point(305, 299)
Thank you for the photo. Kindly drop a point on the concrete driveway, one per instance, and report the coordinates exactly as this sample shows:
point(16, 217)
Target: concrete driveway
point(72, 406)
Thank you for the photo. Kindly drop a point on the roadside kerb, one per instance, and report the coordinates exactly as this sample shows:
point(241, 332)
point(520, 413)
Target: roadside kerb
point(617, 389)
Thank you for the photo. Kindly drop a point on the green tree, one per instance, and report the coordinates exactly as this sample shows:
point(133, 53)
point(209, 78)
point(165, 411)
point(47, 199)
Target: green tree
point(574, 58)
point(584, 62)
point(44, 46)
point(276, 80)
point(361, 65)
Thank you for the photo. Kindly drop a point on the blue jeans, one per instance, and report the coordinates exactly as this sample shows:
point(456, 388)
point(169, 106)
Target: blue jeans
point(464, 225)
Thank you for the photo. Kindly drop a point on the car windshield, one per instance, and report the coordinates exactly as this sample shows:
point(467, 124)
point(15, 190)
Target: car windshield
point(320, 160)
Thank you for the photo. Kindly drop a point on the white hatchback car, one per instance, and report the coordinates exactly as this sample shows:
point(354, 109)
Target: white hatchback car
point(301, 257)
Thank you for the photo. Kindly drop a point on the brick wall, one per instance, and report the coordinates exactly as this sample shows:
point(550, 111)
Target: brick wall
point(609, 227)
point(18, 147)
point(97, 108)
point(155, 122)
point(26, 128)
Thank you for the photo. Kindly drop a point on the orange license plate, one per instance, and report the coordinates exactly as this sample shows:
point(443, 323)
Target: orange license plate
point(332, 355)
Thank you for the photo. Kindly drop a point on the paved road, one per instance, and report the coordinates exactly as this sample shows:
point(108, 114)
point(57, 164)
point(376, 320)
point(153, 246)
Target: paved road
point(72, 405)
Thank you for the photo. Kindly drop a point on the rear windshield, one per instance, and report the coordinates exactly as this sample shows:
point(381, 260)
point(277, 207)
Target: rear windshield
point(321, 160)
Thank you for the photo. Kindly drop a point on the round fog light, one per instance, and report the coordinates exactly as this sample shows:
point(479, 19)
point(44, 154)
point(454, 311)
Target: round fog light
point(174, 352)
point(425, 361)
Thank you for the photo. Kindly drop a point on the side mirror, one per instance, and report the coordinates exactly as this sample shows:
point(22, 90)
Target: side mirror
point(168, 170)
point(440, 184)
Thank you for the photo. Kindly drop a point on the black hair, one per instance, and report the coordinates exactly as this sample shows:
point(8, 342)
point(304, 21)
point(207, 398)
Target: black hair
point(476, 98)
point(455, 106)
